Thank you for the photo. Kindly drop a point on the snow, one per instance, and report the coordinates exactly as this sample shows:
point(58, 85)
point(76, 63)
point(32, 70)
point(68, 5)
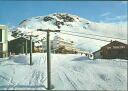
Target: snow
point(10, 37)
point(69, 72)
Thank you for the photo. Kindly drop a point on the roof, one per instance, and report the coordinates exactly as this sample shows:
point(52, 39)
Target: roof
point(19, 38)
point(115, 43)
point(3, 26)
point(10, 38)
point(96, 51)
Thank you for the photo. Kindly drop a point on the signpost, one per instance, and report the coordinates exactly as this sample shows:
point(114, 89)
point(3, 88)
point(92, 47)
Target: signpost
point(49, 87)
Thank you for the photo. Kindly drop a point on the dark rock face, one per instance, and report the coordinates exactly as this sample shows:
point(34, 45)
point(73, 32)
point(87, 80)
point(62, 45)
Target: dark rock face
point(58, 23)
point(16, 33)
point(48, 18)
point(65, 17)
point(62, 17)
point(23, 22)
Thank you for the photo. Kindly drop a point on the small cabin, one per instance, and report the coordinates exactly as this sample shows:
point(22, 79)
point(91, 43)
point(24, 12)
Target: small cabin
point(20, 46)
point(113, 50)
point(3, 41)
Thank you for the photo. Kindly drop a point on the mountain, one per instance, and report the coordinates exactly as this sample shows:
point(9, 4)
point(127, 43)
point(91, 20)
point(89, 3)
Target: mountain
point(73, 28)
point(56, 20)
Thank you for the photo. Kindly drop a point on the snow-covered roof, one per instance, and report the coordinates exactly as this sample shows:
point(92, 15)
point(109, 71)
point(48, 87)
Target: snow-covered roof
point(3, 26)
point(10, 38)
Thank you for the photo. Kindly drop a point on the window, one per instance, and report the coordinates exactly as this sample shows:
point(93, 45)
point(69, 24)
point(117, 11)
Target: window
point(0, 35)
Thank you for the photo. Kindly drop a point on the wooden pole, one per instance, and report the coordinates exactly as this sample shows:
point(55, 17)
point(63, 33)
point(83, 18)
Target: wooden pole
point(49, 86)
point(127, 35)
point(48, 61)
point(26, 47)
point(30, 49)
point(23, 48)
point(42, 46)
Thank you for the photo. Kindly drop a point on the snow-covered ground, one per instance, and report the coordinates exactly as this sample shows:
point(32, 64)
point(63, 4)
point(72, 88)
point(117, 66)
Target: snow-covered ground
point(69, 72)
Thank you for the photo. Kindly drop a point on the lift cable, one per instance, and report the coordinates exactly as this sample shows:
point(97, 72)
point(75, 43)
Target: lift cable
point(84, 37)
point(95, 35)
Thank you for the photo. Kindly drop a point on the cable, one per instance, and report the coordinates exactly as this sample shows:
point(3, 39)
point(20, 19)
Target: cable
point(95, 35)
point(84, 37)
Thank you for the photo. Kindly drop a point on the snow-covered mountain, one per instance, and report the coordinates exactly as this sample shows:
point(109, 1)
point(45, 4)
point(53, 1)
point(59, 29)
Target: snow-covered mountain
point(62, 21)
point(70, 24)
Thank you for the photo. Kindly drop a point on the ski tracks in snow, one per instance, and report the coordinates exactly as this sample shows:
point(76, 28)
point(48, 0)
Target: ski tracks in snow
point(37, 77)
point(9, 80)
point(67, 79)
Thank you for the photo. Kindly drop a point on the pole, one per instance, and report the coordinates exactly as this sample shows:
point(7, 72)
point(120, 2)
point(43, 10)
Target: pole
point(49, 86)
point(127, 32)
point(23, 48)
point(42, 46)
point(127, 24)
point(48, 62)
point(30, 49)
point(26, 47)
point(127, 36)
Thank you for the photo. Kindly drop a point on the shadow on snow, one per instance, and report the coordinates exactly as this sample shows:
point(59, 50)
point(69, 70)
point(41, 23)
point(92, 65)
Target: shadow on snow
point(81, 59)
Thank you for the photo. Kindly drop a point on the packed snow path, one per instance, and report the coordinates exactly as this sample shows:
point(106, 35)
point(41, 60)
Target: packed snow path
point(69, 72)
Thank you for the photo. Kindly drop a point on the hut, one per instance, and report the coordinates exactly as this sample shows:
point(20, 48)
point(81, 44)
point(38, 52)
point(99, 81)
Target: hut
point(113, 50)
point(20, 45)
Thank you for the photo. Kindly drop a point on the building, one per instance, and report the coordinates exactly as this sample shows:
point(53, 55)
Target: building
point(3, 41)
point(38, 49)
point(113, 50)
point(59, 45)
point(20, 45)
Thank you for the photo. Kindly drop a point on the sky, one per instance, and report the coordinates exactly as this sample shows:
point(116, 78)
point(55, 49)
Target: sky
point(13, 12)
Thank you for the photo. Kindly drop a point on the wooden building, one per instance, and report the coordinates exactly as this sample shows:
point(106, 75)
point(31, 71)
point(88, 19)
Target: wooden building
point(113, 50)
point(18, 46)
